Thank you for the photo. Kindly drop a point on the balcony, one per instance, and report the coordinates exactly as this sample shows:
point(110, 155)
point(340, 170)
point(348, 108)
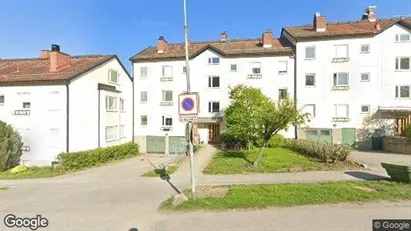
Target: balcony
point(340, 60)
point(166, 128)
point(166, 103)
point(340, 119)
point(340, 88)
point(22, 112)
point(166, 79)
point(254, 76)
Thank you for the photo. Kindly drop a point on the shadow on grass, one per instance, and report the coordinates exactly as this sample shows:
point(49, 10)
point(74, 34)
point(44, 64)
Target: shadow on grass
point(365, 175)
point(235, 154)
point(164, 176)
point(133, 229)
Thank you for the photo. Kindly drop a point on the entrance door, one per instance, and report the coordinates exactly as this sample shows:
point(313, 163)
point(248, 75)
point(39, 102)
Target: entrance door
point(213, 133)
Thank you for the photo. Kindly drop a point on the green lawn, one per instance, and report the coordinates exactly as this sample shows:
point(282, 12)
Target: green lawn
point(33, 172)
point(3, 188)
point(161, 172)
point(274, 160)
point(283, 195)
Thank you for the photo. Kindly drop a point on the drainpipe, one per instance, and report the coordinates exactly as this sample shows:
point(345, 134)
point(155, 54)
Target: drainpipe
point(295, 88)
point(119, 120)
point(67, 117)
point(98, 117)
point(132, 101)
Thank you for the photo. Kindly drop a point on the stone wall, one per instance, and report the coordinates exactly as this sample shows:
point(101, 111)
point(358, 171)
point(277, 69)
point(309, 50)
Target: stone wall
point(399, 145)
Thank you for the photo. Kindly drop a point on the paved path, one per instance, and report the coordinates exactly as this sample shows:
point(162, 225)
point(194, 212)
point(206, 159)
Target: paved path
point(373, 159)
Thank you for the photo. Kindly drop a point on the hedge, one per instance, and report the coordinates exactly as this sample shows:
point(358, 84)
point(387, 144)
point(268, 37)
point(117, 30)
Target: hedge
point(322, 150)
point(96, 157)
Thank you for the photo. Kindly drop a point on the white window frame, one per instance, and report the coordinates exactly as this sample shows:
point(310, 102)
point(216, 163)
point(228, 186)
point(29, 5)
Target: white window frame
point(336, 110)
point(141, 97)
point(314, 51)
point(143, 72)
point(112, 73)
point(399, 40)
point(336, 76)
point(111, 133)
point(4, 99)
point(398, 92)
point(255, 68)
point(233, 65)
point(281, 71)
point(164, 96)
point(122, 105)
point(111, 105)
point(214, 61)
point(313, 111)
point(165, 121)
point(398, 66)
point(164, 71)
point(280, 93)
point(337, 55)
point(367, 111)
point(368, 77)
point(142, 118)
point(211, 82)
point(122, 131)
point(305, 82)
point(368, 48)
point(211, 106)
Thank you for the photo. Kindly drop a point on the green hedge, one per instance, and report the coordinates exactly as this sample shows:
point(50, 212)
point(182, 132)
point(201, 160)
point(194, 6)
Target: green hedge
point(408, 131)
point(96, 157)
point(324, 151)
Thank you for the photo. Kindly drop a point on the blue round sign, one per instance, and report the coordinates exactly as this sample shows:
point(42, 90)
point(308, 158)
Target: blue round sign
point(187, 104)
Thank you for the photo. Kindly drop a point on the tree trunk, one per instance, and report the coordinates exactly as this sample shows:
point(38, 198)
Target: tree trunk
point(249, 144)
point(260, 156)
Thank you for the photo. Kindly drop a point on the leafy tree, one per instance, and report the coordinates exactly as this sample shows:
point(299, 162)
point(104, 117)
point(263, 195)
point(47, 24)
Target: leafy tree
point(10, 147)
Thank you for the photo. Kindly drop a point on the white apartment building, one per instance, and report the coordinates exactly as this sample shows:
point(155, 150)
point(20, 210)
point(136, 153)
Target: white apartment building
point(346, 71)
point(159, 77)
point(62, 103)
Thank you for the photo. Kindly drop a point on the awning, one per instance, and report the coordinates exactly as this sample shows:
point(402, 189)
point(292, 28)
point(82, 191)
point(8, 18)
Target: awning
point(393, 112)
point(209, 120)
point(394, 109)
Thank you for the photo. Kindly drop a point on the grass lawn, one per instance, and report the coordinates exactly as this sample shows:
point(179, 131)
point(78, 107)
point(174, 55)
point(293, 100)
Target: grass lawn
point(274, 160)
point(283, 195)
point(33, 172)
point(3, 188)
point(161, 172)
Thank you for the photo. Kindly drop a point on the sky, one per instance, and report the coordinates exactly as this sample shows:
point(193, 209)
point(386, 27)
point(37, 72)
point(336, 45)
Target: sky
point(125, 27)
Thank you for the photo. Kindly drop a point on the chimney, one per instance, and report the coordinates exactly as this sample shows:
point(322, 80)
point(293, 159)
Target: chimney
point(44, 54)
point(267, 39)
point(58, 60)
point(223, 36)
point(162, 46)
point(319, 23)
point(378, 26)
point(369, 14)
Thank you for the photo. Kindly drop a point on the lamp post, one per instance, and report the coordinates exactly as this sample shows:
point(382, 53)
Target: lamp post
point(189, 124)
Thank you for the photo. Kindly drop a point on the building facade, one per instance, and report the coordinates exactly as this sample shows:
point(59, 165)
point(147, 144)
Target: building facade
point(61, 103)
point(159, 77)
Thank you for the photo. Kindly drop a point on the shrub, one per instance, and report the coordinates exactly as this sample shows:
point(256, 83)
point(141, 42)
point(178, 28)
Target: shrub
point(408, 131)
point(228, 141)
point(18, 169)
point(96, 157)
point(276, 140)
point(10, 147)
point(322, 150)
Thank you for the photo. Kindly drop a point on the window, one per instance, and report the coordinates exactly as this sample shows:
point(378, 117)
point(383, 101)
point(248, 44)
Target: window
point(214, 81)
point(341, 110)
point(310, 109)
point(184, 69)
point(365, 77)
point(282, 94)
point(310, 80)
point(402, 37)
point(143, 72)
point(402, 63)
point(365, 48)
point(111, 103)
point(256, 68)
point(233, 67)
point(310, 52)
point(143, 97)
point(111, 133)
point(167, 121)
point(325, 132)
point(213, 60)
point(1, 100)
point(312, 132)
point(402, 92)
point(213, 107)
point(143, 120)
point(26, 105)
point(365, 109)
point(167, 96)
point(341, 51)
point(282, 67)
point(167, 71)
point(340, 79)
point(113, 76)
point(122, 131)
point(122, 106)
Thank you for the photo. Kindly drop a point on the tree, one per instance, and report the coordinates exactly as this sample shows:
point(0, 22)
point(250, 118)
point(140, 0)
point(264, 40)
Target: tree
point(240, 115)
point(10, 147)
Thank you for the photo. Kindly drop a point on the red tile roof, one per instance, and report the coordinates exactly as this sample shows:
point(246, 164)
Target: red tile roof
point(240, 47)
point(38, 69)
point(345, 29)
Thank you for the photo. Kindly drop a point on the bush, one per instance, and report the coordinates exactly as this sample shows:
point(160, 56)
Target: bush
point(18, 169)
point(228, 141)
point(408, 131)
point(324, 151)
point(276, 140)
point(10, 147)
point(96, 157)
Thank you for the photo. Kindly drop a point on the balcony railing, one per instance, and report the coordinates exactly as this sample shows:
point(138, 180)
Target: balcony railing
point(340, 119)
point(23, 112)
point(340, 60)
point(166, 103)
point(166, 79)
point(340, 88)
point(254, 76)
